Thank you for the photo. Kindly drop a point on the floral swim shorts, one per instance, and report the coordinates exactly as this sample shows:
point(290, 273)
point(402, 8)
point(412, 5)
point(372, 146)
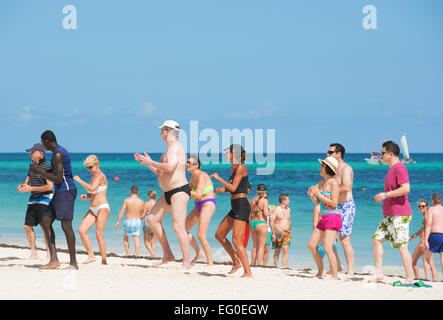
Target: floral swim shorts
point(347, 213)
point(395, 229)
point(281, 239)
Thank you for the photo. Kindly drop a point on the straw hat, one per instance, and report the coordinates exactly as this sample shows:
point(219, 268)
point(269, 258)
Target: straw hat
point(331, 162)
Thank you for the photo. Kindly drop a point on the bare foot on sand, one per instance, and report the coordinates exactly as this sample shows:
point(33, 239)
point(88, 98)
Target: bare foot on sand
point(235, 267)
point(90, 259)
point(104, 262)
point(34, 256)
point(376, 279)
point(164, 260)
point(50, 266)
point(246, 275)
point(198, 256)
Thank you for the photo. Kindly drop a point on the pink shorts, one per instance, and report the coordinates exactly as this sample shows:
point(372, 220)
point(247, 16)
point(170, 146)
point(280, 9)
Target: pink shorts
point(330, 221)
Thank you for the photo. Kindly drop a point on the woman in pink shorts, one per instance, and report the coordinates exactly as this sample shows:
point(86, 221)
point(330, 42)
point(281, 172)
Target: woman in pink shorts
point(326, 194)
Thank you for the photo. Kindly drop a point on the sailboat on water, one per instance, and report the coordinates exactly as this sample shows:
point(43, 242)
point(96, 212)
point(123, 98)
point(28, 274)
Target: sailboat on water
point(405, 150)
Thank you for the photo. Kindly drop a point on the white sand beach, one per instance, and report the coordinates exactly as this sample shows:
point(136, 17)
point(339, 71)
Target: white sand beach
point(130, 278)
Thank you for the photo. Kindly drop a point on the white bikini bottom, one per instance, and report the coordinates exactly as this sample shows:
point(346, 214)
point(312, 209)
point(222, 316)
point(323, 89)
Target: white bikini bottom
point(95, 210)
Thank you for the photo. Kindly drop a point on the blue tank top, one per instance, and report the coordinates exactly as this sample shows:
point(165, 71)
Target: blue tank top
point(67, 183)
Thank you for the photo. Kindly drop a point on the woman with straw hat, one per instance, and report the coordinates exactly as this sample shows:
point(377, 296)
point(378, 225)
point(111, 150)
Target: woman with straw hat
point(326, 194)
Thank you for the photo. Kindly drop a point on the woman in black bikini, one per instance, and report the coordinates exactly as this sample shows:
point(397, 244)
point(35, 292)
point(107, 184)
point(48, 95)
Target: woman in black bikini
point(237, 218)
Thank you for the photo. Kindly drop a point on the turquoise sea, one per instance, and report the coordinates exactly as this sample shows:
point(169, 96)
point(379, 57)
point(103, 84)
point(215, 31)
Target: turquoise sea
point(293, 174)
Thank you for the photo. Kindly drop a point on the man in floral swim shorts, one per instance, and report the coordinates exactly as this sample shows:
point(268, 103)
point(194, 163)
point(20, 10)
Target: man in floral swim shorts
point(281, 227)
point(397, 213)
point(346, 205)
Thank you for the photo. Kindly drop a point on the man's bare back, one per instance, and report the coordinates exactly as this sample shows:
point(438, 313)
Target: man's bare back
point(437, 218)
point(134, 207)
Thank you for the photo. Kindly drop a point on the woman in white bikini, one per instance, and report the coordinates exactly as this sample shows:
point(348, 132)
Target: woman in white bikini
point(98, 212)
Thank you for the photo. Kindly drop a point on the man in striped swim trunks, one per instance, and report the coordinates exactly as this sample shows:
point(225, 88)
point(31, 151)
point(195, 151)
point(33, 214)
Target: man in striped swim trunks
point(41, 195)
point(346, 205)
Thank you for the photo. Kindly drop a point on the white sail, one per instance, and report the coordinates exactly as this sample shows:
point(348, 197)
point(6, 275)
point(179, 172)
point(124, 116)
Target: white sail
point(404, 147)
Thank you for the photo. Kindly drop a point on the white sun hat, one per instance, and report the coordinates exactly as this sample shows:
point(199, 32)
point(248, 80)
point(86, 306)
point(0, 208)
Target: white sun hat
point(170, 124)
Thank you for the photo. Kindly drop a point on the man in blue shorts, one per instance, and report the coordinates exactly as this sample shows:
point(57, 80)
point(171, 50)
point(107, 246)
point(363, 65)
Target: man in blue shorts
point(434, 232)
point(346, 205)
point(62, 204)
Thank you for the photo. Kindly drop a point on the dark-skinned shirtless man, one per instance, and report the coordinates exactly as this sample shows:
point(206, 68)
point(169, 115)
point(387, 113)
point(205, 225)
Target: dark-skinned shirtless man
point(62, 204)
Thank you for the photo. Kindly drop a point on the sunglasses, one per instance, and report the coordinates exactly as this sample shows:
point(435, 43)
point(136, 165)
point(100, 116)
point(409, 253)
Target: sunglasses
point(383, 153)
point(89, 167)
point(331, 152)
point(190, 163)
point(421, 206)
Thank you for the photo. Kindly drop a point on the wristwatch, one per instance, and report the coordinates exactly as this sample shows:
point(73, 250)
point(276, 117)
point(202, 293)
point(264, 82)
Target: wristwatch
point(386, 194)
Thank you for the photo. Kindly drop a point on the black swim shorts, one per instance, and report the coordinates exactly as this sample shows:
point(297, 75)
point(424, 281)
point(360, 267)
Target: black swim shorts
point(240, 209)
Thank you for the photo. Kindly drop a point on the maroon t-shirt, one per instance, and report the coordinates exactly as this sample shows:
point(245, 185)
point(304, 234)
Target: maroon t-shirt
point(396, 206)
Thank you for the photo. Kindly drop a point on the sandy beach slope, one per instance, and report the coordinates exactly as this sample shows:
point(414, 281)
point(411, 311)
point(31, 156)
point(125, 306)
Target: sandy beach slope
point(130, 278)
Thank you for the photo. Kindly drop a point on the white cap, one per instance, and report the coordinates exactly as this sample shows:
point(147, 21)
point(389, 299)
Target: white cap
point(331, 162)
point(170, 124)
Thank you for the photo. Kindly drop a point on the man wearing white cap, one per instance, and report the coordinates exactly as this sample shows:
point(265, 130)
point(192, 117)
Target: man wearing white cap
point(171, 171)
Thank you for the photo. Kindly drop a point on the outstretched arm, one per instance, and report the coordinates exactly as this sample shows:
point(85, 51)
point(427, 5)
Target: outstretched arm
point(89, 187)
point(231, 187)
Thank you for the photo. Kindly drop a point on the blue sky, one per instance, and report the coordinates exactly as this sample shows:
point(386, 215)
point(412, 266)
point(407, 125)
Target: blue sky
point(307, 69)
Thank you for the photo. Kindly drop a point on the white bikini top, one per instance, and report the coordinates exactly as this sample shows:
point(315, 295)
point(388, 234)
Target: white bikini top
point(99, 188)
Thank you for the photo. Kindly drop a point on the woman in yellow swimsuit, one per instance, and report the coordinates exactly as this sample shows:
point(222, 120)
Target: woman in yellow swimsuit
point(202, 191)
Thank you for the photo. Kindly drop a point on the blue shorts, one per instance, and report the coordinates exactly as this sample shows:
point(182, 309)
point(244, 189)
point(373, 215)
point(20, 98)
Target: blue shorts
point(347, 213)
point(62, 205)
point(132, 227)
point(436, 242)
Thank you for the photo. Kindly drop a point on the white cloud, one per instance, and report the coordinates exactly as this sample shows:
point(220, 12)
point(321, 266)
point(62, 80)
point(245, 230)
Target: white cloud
point(267, 110)
point(73, 112)
point(26, 115)
point(147, 109)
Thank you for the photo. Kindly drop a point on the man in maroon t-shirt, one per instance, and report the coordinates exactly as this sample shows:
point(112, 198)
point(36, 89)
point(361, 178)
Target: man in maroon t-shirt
point(397, 213)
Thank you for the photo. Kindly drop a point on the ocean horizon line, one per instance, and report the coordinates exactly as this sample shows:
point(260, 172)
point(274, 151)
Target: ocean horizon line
point(161, 152)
